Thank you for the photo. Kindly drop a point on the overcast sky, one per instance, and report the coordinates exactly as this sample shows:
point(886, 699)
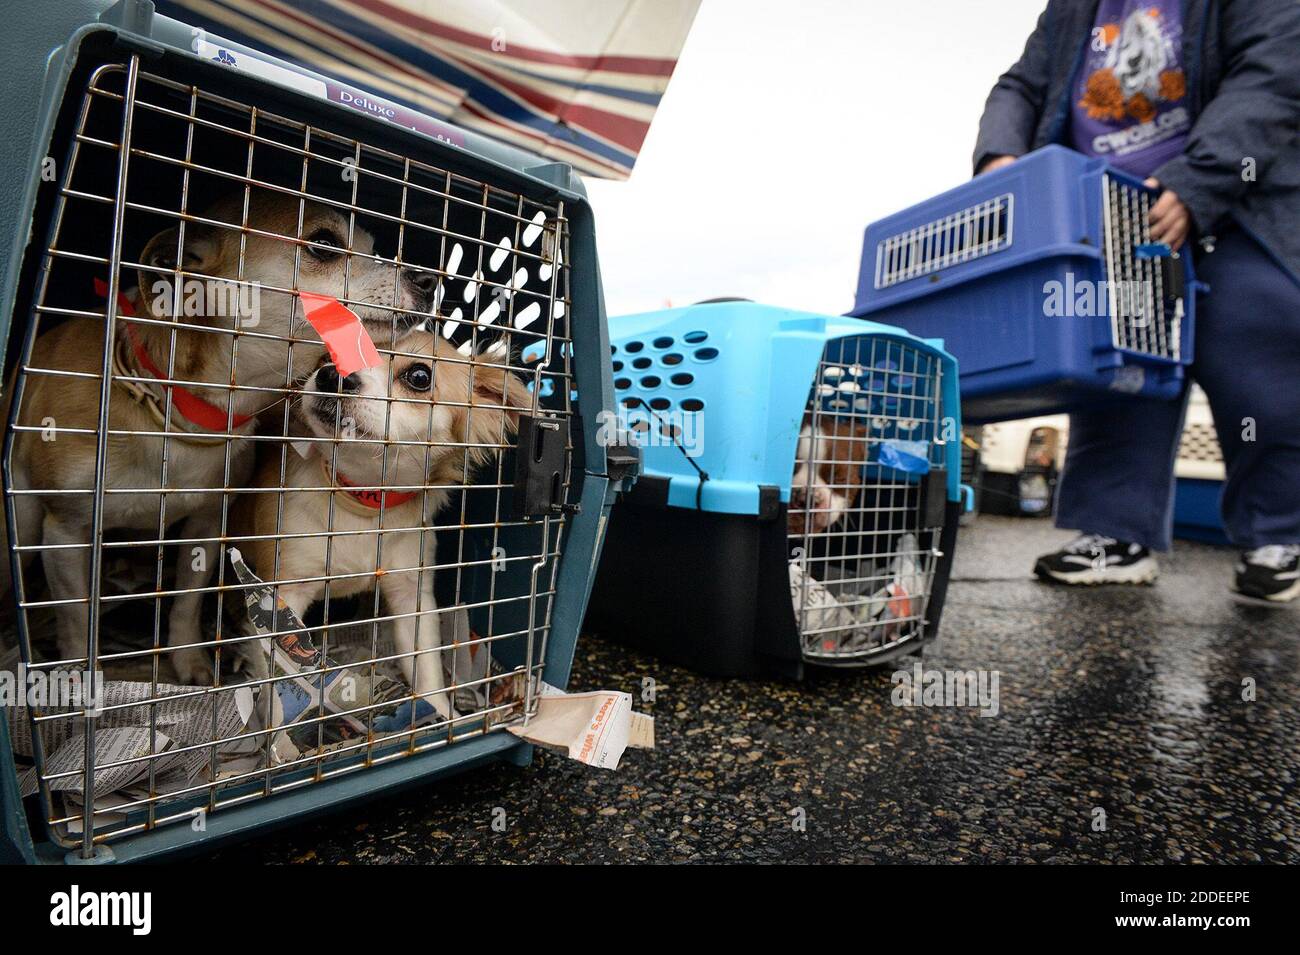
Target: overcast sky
point(787, 127)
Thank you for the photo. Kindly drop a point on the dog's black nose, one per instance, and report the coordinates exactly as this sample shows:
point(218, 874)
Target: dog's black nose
point(423, 282)
point(327, 380)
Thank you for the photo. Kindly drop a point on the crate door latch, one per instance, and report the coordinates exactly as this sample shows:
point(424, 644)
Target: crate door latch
point(539, 468)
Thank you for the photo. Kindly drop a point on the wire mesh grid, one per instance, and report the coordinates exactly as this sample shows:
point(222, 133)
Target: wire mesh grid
point(862, 561)
point(1200, 443)
point(1141, 319)
point(963, 236)
point(173, 406)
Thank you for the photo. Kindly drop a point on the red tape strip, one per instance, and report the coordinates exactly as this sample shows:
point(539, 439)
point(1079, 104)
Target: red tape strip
point(341, 330)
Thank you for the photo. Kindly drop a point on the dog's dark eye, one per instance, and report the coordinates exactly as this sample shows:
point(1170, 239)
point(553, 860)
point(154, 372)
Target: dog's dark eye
point(419, 377)
point(324, 237)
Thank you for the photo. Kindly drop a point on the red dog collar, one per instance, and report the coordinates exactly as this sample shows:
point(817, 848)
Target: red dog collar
point(369, 497)
point(192, 408)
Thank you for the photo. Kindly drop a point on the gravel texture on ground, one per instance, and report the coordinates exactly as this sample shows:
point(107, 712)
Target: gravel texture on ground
point(1127, 701)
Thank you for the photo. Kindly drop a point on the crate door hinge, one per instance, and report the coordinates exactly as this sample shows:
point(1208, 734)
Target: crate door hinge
point(540, 466)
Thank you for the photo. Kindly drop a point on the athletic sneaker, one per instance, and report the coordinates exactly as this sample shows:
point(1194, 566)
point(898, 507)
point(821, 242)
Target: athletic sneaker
point(1094, 559)
point(1270, 573)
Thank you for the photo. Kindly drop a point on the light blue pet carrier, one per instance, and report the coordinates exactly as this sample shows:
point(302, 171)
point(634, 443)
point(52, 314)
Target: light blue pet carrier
point(1043, 281)
point(122, 123)
point(799, 491)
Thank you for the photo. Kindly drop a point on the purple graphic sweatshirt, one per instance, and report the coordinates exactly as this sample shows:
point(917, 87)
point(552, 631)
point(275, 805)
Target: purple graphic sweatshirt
point(1130, 92)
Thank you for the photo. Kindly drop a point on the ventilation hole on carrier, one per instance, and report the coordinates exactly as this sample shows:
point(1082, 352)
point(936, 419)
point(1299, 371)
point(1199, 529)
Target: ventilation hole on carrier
point(695, 337)
point(692, 404)
point(453, 260)
point(706, 354)
point(681, 379)
point(499, 254)
point(529, 314)
point(622, 383)
point(651, 381)
point(617, 366)
point(641, 363)
point(613, 349)
point(631, 402)
point(660, 404)
point(664, 342)
point(672, 358)
point(633, 347)
point(535, 229)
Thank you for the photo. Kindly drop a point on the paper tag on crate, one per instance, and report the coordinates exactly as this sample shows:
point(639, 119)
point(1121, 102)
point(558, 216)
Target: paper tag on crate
point(593, 728)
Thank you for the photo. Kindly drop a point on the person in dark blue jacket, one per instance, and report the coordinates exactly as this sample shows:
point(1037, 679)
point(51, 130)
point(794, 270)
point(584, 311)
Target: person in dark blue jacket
point(1202, 99)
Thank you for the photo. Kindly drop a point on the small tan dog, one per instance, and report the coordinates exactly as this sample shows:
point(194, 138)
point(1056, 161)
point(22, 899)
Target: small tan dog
point(446, 415)
point(195, 458)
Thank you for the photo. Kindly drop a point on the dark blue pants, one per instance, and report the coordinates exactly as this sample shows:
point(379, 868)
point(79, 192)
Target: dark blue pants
point(1118, 477)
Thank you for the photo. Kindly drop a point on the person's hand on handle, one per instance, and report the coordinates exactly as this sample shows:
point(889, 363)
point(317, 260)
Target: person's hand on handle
point(997, 162)
point(1169, 218)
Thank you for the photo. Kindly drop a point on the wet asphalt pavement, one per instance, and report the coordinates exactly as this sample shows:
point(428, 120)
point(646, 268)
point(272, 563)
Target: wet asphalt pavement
point(1128, 701)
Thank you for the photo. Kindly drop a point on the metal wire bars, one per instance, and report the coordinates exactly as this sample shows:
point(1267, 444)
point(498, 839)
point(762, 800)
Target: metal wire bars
point(864, 563)
point(481, 265)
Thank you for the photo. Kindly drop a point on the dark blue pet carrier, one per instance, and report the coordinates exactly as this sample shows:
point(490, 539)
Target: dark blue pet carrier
point(1042, 280)
point(799, 492)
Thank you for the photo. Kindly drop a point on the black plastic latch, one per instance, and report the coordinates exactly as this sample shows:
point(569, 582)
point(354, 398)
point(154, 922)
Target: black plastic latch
point(539, 467)
point(769, 502)
point(622, 459)
point(934, 497)
point(1173, 277)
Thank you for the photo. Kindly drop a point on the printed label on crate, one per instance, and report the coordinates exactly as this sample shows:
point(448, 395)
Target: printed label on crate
point(373, 105)
point(267, 68)
point(263, 69)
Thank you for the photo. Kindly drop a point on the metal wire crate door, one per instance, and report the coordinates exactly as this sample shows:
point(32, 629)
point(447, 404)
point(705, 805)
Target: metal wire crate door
point(148, 153)
point(862, 560)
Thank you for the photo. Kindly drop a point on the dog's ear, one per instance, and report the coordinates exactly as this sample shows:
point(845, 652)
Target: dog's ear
point(495, 385)
point(201, 254)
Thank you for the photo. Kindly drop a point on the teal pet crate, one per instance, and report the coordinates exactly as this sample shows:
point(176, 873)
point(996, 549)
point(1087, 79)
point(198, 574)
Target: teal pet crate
point(799, 492)
point(127, 132)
